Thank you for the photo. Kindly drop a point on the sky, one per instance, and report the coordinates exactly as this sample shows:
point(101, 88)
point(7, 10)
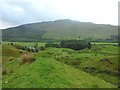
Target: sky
point(17, 12)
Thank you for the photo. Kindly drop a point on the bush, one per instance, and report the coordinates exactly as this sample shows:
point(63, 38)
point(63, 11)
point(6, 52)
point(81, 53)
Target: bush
point(27, 58)
point(42, 48)
point(36, 50)
point(10, 59)
point(89, 45)
point(20, 47)
point(52, 45)
point(4, 72)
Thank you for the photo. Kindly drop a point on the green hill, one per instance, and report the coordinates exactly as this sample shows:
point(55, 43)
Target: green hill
point(45, 73)
point(100, 60)
point(65, 29)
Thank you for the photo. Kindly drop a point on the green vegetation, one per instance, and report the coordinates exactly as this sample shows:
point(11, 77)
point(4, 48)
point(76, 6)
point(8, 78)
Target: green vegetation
point(76, 44)
point(61, 67)
point(60, 54)
point(99, 60)
point(50, 44)
point(62, 29)
point(72, 44)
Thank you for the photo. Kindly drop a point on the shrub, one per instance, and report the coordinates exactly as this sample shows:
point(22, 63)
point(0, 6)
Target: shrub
point(4, 72)
point(36, 50)
point(10, 59)
point(12, 44)
point(20, 47)
point(20, 51)
point(42, 48)
point(89, 45)
point(52, 45)
point(27, 58)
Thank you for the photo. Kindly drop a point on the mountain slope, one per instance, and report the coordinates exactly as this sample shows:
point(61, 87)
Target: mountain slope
point(59, 29)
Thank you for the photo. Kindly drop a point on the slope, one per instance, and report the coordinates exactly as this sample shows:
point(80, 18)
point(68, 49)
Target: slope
point(100, 60)
point(48, 73)
point(65, 29)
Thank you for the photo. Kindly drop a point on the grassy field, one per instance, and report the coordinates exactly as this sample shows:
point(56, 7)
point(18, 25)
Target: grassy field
point(27, 43)
point(62, 67)
point(100, 60)
point(104, 43)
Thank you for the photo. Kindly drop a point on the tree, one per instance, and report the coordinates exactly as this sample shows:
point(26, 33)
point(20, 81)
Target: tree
point(36, 45)
point(74, 44)
point(89, 45)
point(52, 45)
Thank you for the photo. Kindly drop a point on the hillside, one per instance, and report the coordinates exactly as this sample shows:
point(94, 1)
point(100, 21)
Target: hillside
point(45, 73)
point(100, 60)
point(64, 29)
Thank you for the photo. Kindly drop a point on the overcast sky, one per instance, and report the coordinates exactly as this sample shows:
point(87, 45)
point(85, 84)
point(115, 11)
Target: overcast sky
point(17, 12)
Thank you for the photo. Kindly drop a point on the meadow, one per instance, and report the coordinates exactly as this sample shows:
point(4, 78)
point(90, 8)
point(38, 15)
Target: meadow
point(96, 67)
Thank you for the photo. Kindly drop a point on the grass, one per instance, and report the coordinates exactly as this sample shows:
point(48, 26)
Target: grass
point(104, 43)
point(8, 50)
point(61, 68)
point(88, 58)
point(48, 73)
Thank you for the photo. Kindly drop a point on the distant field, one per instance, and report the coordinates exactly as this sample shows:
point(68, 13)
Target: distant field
point(27, 43)
point(61, 67)
point(110, 43)
point(42, 44)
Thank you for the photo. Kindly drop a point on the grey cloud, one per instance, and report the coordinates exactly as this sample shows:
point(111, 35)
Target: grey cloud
point(29, 13)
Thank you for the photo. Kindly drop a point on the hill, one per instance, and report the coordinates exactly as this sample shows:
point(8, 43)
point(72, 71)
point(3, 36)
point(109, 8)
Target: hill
point(63, 29)
point(100, 60)
point(45, 73)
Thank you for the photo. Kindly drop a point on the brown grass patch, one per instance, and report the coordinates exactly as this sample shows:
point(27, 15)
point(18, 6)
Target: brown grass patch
point(27, 58)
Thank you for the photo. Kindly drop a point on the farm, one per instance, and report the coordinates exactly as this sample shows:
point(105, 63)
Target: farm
point(95, 67)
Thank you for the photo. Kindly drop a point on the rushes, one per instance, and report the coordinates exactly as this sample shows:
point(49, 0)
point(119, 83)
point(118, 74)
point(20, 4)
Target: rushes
point(27, 58)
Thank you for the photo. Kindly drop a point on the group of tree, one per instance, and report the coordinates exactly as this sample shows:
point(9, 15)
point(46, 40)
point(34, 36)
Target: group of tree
point(76, 44)
point(72, 44)
point(50, 44)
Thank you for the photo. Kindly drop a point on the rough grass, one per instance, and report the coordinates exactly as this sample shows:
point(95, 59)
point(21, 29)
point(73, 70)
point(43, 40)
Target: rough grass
point(28, 43)
point(50, 71)
point(89, 58)
point(27, 58)
point(8, 50)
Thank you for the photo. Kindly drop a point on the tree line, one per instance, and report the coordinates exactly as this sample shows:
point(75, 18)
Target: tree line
point(72, 44)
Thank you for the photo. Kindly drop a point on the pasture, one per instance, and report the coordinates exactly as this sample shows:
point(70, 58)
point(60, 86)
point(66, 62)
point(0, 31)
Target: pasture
point(61, 67)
